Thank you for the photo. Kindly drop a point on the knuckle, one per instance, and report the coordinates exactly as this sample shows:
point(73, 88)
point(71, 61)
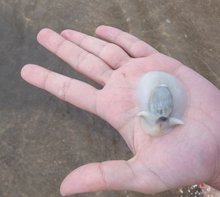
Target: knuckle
point(63, 89)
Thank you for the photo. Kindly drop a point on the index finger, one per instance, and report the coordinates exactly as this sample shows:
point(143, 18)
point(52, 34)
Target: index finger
point(76, 92)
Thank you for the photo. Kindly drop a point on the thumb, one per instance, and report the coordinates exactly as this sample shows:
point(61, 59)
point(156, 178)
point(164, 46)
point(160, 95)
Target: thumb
point(109, 175)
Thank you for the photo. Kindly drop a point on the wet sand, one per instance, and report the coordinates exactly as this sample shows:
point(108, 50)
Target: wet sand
point(42, 139)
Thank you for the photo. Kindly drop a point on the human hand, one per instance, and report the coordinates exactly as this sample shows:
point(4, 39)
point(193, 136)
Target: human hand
point(208, 191)
point(187, 155)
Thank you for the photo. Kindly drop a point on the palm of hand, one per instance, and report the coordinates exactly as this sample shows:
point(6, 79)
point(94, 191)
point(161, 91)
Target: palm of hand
point(180, 158)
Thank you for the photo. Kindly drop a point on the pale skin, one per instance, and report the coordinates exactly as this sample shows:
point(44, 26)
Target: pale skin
point(188, 155)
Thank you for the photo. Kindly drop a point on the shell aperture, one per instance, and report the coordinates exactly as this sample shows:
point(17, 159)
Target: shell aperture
point(161, 99)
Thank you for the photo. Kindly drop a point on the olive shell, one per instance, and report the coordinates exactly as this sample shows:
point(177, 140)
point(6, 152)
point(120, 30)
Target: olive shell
point(161, 102)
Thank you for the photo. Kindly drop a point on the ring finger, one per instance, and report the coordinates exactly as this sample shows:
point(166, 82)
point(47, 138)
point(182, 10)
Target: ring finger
point(110, 53)
point(81, 60)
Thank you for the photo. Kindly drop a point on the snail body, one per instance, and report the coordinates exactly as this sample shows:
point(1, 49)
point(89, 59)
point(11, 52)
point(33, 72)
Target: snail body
point(161, 101)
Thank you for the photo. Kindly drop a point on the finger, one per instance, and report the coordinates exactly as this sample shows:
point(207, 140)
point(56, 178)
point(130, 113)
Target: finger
point(133, 46)
point(110, 53)
point(94, 177)
point(73, 91)
point(82, 61)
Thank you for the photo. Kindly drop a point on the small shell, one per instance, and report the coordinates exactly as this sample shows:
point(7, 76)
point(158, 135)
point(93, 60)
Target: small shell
point(162, 100)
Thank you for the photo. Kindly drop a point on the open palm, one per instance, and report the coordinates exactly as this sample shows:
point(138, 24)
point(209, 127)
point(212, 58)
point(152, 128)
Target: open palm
point(185, 156)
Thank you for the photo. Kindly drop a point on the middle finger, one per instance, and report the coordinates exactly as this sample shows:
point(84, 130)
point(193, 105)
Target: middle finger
point(82, 61)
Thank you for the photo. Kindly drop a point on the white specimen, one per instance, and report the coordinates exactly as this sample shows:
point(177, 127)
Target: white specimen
point(161, 100)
